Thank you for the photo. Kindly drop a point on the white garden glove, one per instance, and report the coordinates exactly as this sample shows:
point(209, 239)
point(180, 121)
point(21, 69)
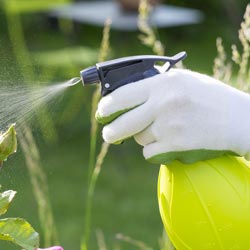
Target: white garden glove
point(179, 115)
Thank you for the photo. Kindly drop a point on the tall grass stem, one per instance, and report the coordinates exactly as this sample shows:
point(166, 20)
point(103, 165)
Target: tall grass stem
point(95, 164)
point(148, 34)
point(39, 185)
point(100, 240)
point(90, 194)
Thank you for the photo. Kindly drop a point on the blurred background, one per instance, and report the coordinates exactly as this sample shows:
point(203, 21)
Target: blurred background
point(49, 41)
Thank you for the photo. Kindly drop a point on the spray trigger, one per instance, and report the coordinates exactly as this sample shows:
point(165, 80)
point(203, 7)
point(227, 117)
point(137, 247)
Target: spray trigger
point(116, 73)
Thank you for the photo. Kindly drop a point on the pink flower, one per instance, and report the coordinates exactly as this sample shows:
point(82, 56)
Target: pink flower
point(52, 248)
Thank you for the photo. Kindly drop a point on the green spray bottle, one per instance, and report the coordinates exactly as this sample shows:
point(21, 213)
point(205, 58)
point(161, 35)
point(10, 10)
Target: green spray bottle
point(203, 205)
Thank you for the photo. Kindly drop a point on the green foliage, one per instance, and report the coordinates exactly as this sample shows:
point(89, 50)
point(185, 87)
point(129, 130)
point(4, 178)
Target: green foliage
point(5, 200)
point(20, 232)
point(8, 143)
point(16, 230)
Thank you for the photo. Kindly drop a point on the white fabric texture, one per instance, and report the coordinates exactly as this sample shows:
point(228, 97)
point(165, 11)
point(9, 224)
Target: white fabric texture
point(178, 111)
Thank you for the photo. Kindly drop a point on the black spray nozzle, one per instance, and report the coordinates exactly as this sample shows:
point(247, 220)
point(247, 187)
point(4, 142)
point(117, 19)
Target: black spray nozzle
point(116, 73)
point(90, 75)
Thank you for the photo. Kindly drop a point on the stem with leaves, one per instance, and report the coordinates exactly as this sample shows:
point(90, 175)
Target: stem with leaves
point(15, 230)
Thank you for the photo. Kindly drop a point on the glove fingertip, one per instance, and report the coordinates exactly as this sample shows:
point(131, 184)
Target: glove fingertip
point(110, 137)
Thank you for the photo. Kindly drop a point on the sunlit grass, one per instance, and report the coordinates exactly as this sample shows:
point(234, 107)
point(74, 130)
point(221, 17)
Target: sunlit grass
point(40, 185)
point(234, 69)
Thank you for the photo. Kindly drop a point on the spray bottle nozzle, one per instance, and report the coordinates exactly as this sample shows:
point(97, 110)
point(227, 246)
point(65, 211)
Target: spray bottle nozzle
point(90, 75)
point(116, 73)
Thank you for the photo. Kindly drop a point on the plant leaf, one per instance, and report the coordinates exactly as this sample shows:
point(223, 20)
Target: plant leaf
point(5, 200)
point(8, 143)
point(20, 232)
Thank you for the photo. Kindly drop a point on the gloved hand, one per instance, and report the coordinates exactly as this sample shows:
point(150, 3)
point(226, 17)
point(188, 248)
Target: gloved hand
point(179, 115)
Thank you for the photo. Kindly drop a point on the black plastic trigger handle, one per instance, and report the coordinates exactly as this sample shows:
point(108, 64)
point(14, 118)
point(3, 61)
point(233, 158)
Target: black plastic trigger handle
point(116, 73)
